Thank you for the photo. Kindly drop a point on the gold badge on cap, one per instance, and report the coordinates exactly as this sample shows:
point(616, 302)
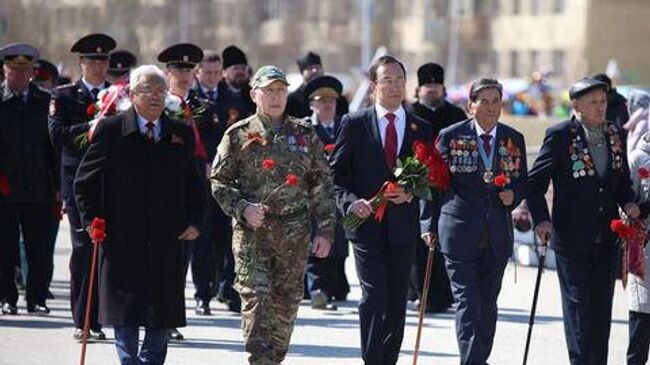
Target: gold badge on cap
point(119, 65)
point(186, 58)
point(99, 49)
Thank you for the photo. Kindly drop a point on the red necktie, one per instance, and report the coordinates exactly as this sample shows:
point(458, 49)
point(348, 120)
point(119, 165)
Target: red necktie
point(390, 141)
point(486, 143)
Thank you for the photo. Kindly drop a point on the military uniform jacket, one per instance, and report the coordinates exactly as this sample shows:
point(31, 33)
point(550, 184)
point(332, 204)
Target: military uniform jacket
point(149, 193)
point(583, 203)
point(440, 118)
point(470, 208)
point(27, 158)
point(360, 170)
point(69, 119)
point(205, 113)
point(238, 177)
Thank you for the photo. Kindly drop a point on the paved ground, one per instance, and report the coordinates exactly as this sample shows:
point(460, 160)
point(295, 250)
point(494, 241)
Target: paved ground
point(319, 338)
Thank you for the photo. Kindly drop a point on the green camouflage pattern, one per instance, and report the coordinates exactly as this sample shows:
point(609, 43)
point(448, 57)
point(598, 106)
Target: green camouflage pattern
point(270, 262)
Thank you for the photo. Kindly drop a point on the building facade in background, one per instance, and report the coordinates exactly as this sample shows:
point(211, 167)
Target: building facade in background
point(504, 38)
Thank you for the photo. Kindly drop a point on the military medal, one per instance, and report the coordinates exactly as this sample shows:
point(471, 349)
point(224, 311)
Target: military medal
point(488, 176)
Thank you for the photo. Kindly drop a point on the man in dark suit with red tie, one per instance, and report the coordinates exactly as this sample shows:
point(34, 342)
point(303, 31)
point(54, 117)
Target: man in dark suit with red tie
point(366, 152)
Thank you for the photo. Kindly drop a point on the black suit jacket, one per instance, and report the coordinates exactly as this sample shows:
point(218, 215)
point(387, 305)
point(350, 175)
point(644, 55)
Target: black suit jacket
point(360, 170)
point(583, 203)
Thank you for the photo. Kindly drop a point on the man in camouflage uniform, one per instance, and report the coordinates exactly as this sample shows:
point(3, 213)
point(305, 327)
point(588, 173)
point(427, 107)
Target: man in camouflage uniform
point(272, 216)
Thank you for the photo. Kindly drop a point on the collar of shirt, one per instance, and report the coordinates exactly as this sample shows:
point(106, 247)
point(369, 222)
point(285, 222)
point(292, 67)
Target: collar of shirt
point(206, 90)
point(400, 124)
point(90, 86)
point(142, 125)
point(480, 131)
point(315, 122)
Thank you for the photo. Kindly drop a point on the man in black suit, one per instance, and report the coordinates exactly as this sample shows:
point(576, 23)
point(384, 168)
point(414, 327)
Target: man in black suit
point(70, 118)
point(585, 157)
point(366, 151)
point(29, 182)
point(233, 87)
point(325, 277)
point(140, 175)
point(298, 105)
point(440, 113)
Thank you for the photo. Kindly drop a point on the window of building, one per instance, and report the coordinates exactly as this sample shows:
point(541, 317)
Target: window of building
point(514, 64)
point(534, 7)
point(559, 61)
point(534, 60)
point(559, 6)
point(273, 9)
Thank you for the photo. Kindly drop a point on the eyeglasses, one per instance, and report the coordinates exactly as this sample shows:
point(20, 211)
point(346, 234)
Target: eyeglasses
point(151, 93)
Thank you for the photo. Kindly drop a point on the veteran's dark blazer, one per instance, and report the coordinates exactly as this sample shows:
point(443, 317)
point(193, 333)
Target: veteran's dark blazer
point(583, 203)
point(470, 205)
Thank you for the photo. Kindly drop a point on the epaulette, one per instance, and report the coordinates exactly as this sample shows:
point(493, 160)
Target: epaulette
point(66, 86)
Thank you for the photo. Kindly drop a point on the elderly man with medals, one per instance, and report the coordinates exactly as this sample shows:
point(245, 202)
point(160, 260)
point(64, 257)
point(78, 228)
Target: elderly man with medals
point(487, 161)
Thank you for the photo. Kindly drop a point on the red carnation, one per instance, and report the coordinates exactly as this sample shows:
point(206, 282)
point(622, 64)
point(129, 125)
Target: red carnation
point(501, 180)
point(268, 164)
point(291, 179)
point(91, 109)
point(644, 173)
point(329, 147)
point(621, 229)
point(98, 230)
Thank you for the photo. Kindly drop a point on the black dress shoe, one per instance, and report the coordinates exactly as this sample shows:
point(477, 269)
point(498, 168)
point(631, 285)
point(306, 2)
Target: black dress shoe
point(9, 309)
point(97, 334)
point(203, 308)
point(37, 309)
point(235, 305)
point(175, 334)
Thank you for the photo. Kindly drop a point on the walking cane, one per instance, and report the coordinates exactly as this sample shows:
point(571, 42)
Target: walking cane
point(531, 320)
point(423, 302)
point(91, 285)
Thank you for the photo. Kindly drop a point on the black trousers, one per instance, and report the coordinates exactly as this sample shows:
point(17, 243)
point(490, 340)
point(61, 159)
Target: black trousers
point(224, 259)
point(35, 222)
point(80, 264)
point(328, 275)
point(587, 288)
point(204, 271)
point(637, 350)
point(383, 268)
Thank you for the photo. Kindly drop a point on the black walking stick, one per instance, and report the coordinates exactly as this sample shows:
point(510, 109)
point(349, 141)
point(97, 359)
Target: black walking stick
point(531, 320)
point(423, 302)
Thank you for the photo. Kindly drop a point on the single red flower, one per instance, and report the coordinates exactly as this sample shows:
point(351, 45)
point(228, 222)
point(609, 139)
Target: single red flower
point(644, 173)
point(268, 164)
point(291, 179)
point(91, 109)
point(98, 223)
point(621, 229)
point(501, 180)
point(98, 230)
point(422, 151)
point(97, 236)
point(329, 147)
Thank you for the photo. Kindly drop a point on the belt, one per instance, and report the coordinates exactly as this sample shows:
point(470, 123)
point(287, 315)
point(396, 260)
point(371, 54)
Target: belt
point(287, 215)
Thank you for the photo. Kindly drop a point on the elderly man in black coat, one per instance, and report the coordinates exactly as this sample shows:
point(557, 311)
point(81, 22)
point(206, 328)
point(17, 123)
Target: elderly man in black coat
point(140, 174)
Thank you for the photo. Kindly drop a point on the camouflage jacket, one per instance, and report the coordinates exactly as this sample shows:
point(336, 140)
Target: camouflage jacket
point(238, 177)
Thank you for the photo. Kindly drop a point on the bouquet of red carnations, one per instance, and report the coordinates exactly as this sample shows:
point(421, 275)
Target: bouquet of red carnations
point(417, 174)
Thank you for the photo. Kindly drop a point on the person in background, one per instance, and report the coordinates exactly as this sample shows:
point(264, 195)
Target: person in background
point(120, 62)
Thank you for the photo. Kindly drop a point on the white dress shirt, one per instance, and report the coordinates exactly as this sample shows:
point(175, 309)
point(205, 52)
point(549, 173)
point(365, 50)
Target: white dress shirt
point(90, 86)
point(142, 124)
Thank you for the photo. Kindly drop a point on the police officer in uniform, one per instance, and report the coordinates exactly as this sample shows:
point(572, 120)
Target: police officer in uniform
point(432, 106)
point(28, 181)
point(68, 122)
point(271, 176)
point(586, 160)
point(298, 105)
point(45, 74)
point(326, 278)
point(120, 62)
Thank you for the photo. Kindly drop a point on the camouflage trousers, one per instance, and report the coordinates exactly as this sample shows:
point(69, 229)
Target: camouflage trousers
point(270, 265)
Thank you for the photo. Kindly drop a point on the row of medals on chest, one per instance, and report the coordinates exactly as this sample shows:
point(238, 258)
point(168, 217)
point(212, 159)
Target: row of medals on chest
point(464, 160)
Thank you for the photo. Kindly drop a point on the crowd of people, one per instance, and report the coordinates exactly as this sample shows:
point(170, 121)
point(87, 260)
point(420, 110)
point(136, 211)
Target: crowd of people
point(207, 165)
